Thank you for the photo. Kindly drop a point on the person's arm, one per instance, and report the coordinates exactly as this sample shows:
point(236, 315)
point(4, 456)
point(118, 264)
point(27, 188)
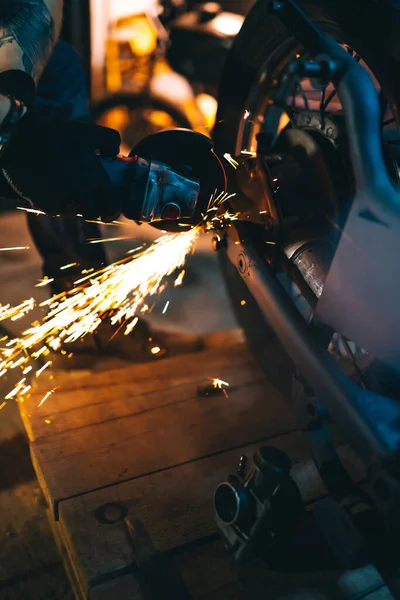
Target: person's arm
point(28, 32)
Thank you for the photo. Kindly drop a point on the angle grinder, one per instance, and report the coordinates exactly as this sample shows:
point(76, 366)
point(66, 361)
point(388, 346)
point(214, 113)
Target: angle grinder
point(168, 178)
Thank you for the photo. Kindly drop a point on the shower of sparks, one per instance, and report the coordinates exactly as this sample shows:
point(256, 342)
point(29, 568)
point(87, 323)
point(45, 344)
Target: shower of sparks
point(14, 248)
point(116, 292)
point(231, 160)
point(16, 312)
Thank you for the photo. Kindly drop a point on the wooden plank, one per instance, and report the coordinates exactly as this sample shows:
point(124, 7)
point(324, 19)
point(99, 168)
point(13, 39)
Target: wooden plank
point(107, 453)
point(68, 564)
point(175, 507)
point(232, 347)
point(90, 406)
point(209, 573)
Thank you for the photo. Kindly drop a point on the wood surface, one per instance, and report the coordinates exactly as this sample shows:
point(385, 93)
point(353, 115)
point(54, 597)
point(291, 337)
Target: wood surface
point(142, 439)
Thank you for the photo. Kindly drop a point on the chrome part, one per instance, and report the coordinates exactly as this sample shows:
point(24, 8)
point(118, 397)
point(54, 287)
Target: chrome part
point(312, 258)
point(165, 188)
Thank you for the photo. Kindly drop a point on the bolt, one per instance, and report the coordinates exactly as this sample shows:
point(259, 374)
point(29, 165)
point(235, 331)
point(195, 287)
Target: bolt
point(242, 263)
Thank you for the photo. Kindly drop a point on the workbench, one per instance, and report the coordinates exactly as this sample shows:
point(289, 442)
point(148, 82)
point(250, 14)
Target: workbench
point(135, 446)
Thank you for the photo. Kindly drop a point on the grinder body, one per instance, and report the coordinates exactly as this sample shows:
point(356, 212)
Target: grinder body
point(168, 178)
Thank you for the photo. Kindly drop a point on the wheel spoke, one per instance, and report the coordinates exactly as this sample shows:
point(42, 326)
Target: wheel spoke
point(329, 99)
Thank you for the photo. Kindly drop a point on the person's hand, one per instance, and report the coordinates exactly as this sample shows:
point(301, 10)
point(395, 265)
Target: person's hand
point(55, 166)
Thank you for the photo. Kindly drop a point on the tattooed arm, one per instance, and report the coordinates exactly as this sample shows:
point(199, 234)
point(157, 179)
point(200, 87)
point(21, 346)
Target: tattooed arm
point(28, 31)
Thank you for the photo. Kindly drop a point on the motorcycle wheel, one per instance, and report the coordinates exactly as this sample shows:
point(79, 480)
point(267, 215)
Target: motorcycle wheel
point(135, 116)
point(262, 47)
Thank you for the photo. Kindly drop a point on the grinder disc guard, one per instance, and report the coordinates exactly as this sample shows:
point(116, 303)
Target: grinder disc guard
point(183, 149)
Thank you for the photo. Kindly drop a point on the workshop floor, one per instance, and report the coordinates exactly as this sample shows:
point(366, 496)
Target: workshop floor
point(30, 568)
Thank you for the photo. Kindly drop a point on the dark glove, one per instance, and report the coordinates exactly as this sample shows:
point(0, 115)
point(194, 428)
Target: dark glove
point(55, 166)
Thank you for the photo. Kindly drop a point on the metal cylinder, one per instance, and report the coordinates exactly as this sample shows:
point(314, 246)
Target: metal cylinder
point(233, 504)
point(312, 259)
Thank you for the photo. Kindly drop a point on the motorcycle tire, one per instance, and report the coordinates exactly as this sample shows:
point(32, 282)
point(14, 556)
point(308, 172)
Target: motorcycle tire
point(358, 24)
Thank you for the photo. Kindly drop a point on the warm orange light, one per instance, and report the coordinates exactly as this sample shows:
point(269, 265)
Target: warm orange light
point(143, 39)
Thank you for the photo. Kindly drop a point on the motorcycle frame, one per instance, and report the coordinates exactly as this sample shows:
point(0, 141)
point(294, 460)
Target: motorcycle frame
point(369, 420)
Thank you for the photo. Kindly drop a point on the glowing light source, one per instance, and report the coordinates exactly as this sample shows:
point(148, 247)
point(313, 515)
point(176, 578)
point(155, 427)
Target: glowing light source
point(228, 23)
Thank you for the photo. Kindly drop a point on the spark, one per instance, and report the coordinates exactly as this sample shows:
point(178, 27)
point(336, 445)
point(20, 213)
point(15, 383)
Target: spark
point(246, 114)
point(74, 264)
point(15, 248)
point(242, 302)
point(130, 326)
point(219, 383)
point(155, 350)
point(40, 371)
point(46, 396)
point(99, 222)
point(2, 405)
point(44, 281)
point(134, 250)
point(106, 240)
point(231, 160)
point(47, 421)
point(35, 211)
point(165, 307)
point(179, 279)
point(248, 152)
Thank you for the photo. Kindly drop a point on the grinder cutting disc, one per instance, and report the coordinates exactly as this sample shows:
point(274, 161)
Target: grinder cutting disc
point(193, 152)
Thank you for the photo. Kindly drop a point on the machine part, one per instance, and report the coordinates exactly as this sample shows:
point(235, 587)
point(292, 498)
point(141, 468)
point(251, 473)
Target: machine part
point(167, 179)
point(192, 152)
point(355, 409)
point(312, 259)
point(260, 510)
point(368, 420)
point(168, 195)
